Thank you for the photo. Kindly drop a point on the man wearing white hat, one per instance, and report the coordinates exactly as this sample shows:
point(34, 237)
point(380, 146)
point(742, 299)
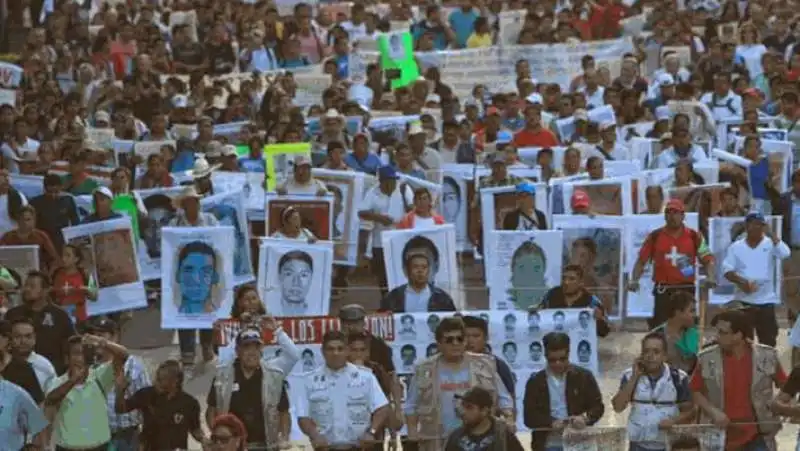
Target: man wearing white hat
point(301, 180)
point(101, 202)
point(229, 158)
point(333, 129)
point(610, 148)
point(426, 158)
point(201, 176)
point(191, 215)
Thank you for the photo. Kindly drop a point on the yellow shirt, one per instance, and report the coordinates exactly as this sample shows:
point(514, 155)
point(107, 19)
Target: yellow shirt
point(477, 41)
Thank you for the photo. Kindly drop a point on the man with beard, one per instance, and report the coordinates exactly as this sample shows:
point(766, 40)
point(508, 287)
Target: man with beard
point(480, 430)
point(52, 324)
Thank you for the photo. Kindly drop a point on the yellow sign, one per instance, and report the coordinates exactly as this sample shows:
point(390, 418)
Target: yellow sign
point(280, 161)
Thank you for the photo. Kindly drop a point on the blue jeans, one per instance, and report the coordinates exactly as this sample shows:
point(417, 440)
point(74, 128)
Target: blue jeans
point(187, 341)
point(126, 441)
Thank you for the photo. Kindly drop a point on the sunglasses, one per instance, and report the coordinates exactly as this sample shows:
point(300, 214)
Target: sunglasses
point(453, 339)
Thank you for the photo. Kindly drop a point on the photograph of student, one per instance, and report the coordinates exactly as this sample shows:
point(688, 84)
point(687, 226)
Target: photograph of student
point(535, 352)
point(295, 279)
point(572, 294)
point(419, 294)
point(510, 352)
point(198, 274)
point(160, 212)
point(450, 201)
point(558, 321)
point(432, 349)
point(420, 245)
point(528, 267)
point(408, 353)
point(308, 360)
point(227, 215)
point(407, 328)
point(526, 216)
point(433, 323)
point(533, 322)
point(584, 352)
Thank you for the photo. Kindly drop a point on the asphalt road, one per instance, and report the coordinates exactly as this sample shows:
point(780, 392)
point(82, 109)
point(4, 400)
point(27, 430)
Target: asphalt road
point(143, 334)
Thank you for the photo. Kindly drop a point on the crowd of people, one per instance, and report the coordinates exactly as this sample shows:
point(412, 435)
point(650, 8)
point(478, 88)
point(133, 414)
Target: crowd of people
point(693, 124)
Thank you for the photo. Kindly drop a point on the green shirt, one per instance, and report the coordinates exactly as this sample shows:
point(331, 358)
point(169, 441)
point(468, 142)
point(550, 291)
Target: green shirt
point(86, 187)
point(82, 418)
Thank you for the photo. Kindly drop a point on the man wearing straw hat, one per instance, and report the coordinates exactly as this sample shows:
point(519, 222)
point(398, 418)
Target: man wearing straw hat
point(190, 215)
point(201, 176)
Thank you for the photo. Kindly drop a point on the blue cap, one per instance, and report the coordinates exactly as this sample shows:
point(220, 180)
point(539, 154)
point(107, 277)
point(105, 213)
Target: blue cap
point(504, 137)
point(387, 172)
point(755, 216)
point(526, 188)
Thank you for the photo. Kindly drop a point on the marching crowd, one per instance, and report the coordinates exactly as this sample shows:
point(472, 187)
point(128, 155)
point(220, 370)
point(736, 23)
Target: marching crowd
point(704, 101)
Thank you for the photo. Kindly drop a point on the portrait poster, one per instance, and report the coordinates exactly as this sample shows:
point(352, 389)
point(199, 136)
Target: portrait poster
point(347, 190)
point(705, 200)
point(294, 277)
point(143, 149)
point(556, 192)
point(438, 244)
point(525, 265)
point(595, 244)
point(640, 304)
point(724, 231)
point(453, 206)
point(610, 196)
point(280, 161)
point(159, 203)
point(316, 213)
point(497, 202)
point(196, 276)
point(229, 209)
point(19, 261)
point(109, 255)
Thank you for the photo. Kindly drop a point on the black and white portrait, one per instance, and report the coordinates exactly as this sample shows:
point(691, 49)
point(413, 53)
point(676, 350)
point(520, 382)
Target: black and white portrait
point(535, 352)
point(533, 322)
point(436, 244)
point(510, 352)
point(558, 320)
point(407, 328)
point(584, 352)
point(584, 319)
point(432, 349)
point(510, 323)
point(433, 322)
point(450, 204)
point(308, 360)
point(422, 246)
point(295, 279)
point(408, 353)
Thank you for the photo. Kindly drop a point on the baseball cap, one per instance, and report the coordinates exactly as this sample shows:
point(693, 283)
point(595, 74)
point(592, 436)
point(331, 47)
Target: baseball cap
point(477, 396)
point(387, 172)
point(301, 160)
point(580, 199)
point(526, 188)
point(101, 324)
point(663, 113)
point(675, 205)
point(755, 216)
point(352, 312)
point(504, 137)
point(248, 336)
point(229, 150)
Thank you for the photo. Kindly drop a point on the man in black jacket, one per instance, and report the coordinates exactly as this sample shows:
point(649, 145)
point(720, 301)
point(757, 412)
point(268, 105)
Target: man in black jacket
point(579, 406)
point(418, 295)
point(572, 294)
point(526, 216)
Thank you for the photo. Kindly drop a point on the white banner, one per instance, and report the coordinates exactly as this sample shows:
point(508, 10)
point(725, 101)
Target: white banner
point(494, 67)
point(196, 276)
point(524, 266)
point(109, 255)
point(294, 277)
point(229, 209)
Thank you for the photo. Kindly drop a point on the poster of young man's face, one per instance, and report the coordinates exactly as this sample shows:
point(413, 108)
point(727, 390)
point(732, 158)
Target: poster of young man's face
point(115, 258)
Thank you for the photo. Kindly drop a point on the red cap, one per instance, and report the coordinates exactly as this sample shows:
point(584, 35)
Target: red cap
point(675, 205)
point(492, 111)
point(580, 199)
point(755, 92)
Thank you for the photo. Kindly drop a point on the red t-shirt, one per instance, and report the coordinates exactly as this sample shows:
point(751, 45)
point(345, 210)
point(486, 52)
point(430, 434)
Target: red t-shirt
point(738, 377)
point(674, 257)
point(74, 280)
point(540, 138)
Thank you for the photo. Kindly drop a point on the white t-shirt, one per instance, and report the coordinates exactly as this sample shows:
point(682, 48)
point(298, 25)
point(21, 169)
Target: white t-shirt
point(755, 265)
point(393, 206)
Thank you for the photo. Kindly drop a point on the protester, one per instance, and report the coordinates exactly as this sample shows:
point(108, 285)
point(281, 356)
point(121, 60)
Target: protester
point(480, 427)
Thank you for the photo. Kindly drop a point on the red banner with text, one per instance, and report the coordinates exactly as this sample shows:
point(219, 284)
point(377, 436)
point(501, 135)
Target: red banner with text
point(306, 329)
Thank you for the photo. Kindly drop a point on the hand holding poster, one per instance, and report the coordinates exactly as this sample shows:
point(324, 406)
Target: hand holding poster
point(196, 276)
point(108, 255)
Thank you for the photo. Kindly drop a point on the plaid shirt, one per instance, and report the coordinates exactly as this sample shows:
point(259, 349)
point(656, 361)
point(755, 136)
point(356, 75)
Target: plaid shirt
point(137, 374)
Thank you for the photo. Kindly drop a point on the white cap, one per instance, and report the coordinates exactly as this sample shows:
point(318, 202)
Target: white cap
point(665, 79)
point(607, 125)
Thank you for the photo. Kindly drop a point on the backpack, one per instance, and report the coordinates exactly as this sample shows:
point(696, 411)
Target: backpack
point(675, 376)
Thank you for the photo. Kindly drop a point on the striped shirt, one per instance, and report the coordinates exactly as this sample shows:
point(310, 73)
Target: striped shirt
point(136, 373)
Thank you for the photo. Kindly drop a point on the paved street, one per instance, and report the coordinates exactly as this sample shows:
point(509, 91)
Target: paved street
point(617, 350)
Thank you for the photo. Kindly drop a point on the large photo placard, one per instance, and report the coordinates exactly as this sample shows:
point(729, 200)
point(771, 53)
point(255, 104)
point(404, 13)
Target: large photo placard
point(294, 277)
point(347, 188)
point(160, 206)
point(316, 213)
point(438, 244)
point(595, 244)
point(524, 266)
point(109, 255)
point(197, 278)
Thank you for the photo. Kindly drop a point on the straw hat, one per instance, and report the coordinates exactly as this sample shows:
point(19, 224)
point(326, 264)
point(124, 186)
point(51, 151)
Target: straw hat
point(190, 192)
point(201, 168)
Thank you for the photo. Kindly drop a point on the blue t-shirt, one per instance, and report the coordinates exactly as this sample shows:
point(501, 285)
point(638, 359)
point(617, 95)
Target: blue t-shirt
point(463, 24)
point(19, 416)
point(369, 165)
point(342, 65)
point(295, 63)
point(184, 161)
